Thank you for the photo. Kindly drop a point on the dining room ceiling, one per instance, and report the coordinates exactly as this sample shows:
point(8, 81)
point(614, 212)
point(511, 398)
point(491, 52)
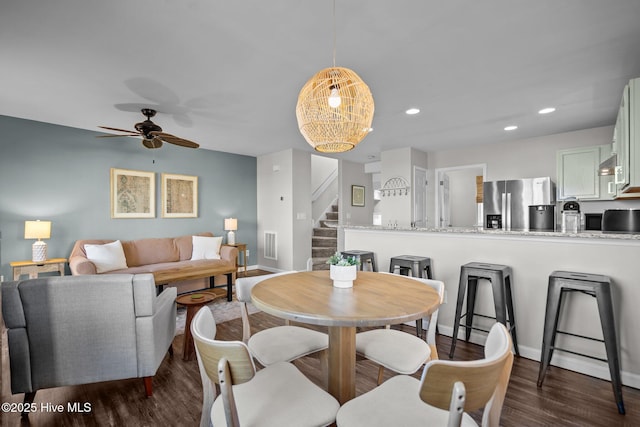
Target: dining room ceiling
point(226, 74)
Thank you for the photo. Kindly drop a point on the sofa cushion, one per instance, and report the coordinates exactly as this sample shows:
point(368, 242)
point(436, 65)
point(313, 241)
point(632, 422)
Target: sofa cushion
point(106, 257)
point(206, 248)
point(150, 251)
point(185, 244)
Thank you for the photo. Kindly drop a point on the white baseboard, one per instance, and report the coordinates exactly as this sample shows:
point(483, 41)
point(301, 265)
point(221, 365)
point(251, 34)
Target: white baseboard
point(559, 359)
point(269, 269)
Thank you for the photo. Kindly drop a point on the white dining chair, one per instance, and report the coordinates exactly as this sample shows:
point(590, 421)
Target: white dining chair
point(277, 395)
point(400, 351)
point(445, 390)
point(280, 343)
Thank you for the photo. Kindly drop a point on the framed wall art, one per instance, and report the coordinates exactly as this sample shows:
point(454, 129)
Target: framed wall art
point(179, 196)
point(133, 194)
point(357, 195)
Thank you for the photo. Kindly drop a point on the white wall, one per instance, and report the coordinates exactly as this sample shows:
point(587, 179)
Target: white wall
point(525, 158)
point(399, 163)
point(353, 174)
point(396, 163)
point(301, 214)
point(284, 207)
point(321, 168)
point(275, 206)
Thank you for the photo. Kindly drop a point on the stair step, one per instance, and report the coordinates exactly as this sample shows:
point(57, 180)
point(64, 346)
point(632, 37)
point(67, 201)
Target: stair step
point(324, 242)
point(328, 223)
point(322, 252)
point(334, 208)
point(333, 216)
point(325, 232)
point(319, 263)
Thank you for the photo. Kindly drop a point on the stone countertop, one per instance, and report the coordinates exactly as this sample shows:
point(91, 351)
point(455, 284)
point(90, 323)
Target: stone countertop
point(479, 230)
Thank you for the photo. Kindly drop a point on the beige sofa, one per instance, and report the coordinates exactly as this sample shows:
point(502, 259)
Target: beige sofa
point(168, 259)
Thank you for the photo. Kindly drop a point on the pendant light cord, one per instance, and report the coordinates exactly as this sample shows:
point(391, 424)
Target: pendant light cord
point(334, 33)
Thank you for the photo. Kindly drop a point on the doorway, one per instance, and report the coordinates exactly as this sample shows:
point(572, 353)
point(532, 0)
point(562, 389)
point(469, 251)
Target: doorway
point(455, 196)
point(419, 217)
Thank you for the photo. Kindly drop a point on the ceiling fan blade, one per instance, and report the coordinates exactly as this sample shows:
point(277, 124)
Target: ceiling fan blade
point(152, 143)
point(115, 136)
point(120, 130)
point(171, 139)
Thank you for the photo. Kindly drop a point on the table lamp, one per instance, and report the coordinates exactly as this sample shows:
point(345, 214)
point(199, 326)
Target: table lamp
point(231, 225)
point(38, 230)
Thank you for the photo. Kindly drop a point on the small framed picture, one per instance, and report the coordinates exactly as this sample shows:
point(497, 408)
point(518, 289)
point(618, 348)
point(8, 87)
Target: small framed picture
point(357, 195)
point(133, 194)
point(179, 196)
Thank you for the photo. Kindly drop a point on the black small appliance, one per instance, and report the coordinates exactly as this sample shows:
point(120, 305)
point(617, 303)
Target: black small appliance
point(494, 221)
point(542, 217)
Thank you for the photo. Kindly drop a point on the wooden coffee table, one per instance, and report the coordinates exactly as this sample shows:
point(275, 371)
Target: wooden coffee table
point(193, 302)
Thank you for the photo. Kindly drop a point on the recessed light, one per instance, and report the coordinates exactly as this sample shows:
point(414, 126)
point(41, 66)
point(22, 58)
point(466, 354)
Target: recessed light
point(412, 111)
point(547, 110)
point(512, 127)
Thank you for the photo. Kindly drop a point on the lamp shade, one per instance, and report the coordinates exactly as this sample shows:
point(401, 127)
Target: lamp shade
point(230, 224)
point(37, 229)
point(335, 110)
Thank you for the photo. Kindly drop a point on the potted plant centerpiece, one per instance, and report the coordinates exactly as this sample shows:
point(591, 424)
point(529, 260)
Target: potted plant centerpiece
point(343, 271)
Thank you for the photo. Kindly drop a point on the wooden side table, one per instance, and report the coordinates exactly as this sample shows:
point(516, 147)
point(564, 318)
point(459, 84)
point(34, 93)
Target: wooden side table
point(242, 249)
point(193, 302)
point(34, 268)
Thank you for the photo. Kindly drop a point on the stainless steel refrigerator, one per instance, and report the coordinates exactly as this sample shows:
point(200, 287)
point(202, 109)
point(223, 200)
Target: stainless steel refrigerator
point(506, 203)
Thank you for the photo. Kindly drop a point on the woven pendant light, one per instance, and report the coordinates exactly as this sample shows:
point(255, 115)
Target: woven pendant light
point(334, 129)
point(335, 107)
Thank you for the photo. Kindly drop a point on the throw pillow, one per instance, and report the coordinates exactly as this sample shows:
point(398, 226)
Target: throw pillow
point(107, 257)
point(206, 247)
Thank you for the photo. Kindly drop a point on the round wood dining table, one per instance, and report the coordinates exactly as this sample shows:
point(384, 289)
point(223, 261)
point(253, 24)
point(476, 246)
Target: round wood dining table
point(376, 299)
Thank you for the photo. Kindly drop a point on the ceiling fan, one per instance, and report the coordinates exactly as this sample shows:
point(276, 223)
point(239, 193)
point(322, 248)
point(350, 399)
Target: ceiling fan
point(152, 135)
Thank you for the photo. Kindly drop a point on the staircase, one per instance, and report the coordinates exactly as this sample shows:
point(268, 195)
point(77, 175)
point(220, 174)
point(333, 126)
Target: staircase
point(324, 242)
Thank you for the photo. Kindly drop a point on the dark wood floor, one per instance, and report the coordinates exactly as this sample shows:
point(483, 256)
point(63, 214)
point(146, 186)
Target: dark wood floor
point(567, 398)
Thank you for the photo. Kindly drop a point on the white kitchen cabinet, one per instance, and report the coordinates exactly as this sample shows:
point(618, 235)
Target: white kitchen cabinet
point(607, 183)
point(626, 144)
point(578, 173)
point(621, 143)
point(634, 137)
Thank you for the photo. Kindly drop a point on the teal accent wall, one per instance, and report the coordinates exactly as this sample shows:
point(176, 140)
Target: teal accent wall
point(62, 174)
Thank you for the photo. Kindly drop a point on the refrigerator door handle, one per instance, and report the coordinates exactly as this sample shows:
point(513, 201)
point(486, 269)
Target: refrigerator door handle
point(504, 210)
point(508, 212)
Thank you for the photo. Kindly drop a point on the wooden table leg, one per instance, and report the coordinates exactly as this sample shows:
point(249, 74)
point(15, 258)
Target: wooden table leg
point(342, 363)
point(229, 287)
point(188, 349)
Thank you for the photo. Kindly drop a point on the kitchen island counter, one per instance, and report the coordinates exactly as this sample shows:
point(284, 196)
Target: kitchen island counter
point(533, 256)
point(589, 234)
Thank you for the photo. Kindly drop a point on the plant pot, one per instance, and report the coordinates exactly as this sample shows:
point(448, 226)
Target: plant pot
point(343, 276)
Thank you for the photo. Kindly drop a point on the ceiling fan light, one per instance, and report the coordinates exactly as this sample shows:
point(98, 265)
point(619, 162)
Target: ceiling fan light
point(337, 129)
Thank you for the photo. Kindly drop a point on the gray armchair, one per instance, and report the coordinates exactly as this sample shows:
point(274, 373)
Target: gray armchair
point(83, 329)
